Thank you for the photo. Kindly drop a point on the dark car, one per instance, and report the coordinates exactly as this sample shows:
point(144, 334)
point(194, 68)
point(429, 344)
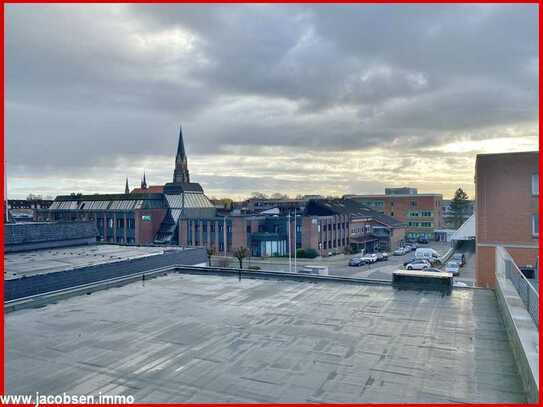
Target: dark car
point(459, 258)
point(422, 240)
point(356, 262)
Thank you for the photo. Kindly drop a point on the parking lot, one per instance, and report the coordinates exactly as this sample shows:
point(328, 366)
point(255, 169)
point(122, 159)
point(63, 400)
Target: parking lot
point(338, 264)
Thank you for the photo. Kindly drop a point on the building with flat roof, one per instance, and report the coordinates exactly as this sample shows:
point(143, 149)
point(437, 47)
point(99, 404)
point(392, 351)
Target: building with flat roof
point(401, 191)
point(507, 210)
point(421, 213)
point(20, 237)
point(213, 339)
point(323, 225)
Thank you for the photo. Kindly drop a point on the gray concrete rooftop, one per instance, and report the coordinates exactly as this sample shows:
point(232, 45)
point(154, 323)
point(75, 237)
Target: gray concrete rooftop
point(193, 338)
point(66, 258)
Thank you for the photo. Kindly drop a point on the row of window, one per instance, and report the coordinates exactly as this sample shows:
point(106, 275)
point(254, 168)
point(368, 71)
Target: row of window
point(119, 224)
point(211, 228)
point(420, 224)
point(422, 214)
point(328, 227)
point(333, 244)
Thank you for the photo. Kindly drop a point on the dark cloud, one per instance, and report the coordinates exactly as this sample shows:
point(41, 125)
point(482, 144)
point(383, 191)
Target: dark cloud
point(91, 86)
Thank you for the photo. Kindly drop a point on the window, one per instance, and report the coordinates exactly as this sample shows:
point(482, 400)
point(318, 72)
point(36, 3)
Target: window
point(414, 204)
point(535, 184)
point(248, 229)
point(535, 225)
point(391, 213)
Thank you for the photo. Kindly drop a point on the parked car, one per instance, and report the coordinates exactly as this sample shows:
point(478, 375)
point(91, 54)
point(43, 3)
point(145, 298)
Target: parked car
point(459, 258)
point(370, 258)
point(398, 252)
point(434, 270)
point(418, 264)
point(385, 256)
point(411, 260)
point(356, 262)
point(453, 268)
point(422, 240)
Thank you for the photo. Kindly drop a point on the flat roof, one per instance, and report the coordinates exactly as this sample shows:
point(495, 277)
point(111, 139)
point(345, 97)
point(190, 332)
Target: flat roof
point(200, 339)
point(67, 258)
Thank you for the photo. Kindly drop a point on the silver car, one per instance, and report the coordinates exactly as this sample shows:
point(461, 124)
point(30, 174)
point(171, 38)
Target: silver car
point(453, 268)
point(418, 265)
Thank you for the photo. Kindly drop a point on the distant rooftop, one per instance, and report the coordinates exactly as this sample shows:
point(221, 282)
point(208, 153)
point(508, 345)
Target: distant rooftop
point(66, 258)
point(191, 338)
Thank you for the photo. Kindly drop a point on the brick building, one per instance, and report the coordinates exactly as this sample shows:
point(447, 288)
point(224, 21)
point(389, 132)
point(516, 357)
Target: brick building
point(324, 225)
point(421, 213)
point(507, 210)
point(149, 214)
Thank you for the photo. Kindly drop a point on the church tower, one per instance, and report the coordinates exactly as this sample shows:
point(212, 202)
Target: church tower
point(181, 172)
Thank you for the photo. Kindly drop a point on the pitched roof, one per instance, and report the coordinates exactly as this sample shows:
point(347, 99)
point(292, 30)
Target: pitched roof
point(328, 207)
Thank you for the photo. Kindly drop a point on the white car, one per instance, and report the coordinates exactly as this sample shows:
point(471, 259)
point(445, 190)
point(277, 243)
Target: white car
point(370, 258)
point(453, 268)
point(418, 264)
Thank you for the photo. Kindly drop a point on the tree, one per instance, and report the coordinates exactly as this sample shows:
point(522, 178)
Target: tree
point(210, 252)
point(458, 209)
point(240, 253)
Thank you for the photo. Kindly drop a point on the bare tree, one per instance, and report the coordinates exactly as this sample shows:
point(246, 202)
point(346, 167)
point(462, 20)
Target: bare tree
point(210, 252)
point(240, 253)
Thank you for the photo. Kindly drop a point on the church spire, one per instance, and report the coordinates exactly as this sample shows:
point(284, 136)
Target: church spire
point(181, 172)
point(180, 144)
point(143, 182)
point(126, 189)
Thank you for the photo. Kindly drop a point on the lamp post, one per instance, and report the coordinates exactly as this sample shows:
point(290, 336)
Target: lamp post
point(225, 237)
point(289, 246)
point(295, 237)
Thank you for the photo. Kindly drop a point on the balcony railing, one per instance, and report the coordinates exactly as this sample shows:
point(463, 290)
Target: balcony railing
point(506, 268)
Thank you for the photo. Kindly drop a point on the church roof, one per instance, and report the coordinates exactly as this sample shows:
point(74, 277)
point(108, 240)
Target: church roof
point(154, 189)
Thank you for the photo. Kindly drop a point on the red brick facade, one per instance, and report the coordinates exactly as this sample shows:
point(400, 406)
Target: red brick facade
point(506, 208)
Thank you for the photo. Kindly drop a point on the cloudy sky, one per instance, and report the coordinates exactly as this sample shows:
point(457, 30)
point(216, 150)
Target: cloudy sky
point(328, 99)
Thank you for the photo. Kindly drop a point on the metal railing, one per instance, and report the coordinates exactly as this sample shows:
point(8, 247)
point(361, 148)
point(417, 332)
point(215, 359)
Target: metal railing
point(507, 268)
